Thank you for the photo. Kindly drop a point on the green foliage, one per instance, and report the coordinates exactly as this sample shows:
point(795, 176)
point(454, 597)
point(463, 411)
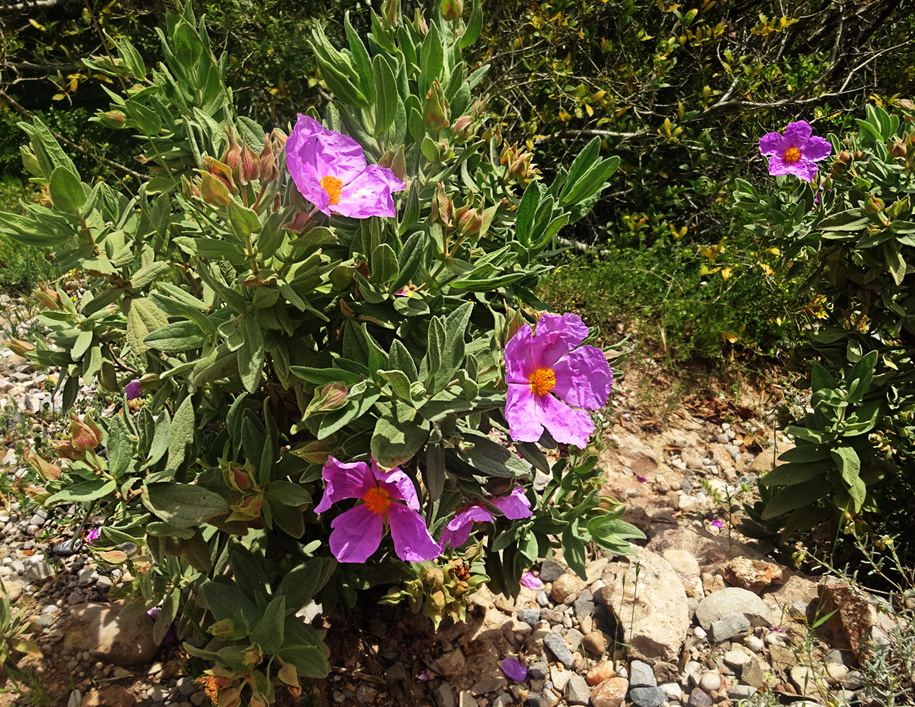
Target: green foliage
point(266, 338)
point(852, 242)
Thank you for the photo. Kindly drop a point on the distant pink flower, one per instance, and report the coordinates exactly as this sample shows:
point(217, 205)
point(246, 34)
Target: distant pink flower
point(132, 390)
point(387, 498)
point(796, 152)
point(514, 506)
point(718, 523)
point(641, 479)
point(169, 635)
point(424, 676)
point(329, 170)
point(531, 581)
point(514, 669)
point(93, 535)
point(549, 375)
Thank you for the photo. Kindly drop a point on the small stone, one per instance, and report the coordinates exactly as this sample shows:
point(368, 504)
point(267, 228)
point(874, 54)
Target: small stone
point(836, 672)
point(559, 648)
point(542, 598)
point(600, 672)
point(584, 605)
point(736, 659)
point(672, 690)
point(754, 643)
point(529, 616)
point(595, 643)
point(641, 674)
point(647, 697)
point(395, 673)
point(733, 600)
point(443, 695)
point(538, 671)
point(728, 626)
point(752, 674)
point(534, 642)
point(559, 677)
point(699, 698)
point(451, 661)
point(710, 681)
point(741, 692)
point(550, 571)
point(503, 700)
point(610, 693)
point(566, 588)
point(366, 693)
point(465, 699)
point(577, 691)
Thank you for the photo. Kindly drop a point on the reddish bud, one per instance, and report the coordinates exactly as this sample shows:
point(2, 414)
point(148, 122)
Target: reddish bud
point(18, 346)
point(250, 166)
point(452, 10)
point(84, 434)
point(435, 112)
point(419, 23)
point(268, 168)
point(45, 469)
point(112, 119)
point(442, 207)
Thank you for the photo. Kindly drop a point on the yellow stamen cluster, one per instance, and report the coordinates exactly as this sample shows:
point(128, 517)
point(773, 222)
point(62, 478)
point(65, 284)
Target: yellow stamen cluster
point(792, 155)
point(333, 187)
point(542, 381)
point(377, 500)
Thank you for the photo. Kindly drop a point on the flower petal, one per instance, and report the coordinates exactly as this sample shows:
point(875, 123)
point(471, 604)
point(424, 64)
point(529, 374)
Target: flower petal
point(531, 581)
point(520, 361)
point(412, 542)
point(344, 481)
point(356, 535)
point(459, 528)
point(398, 484)
point(514, 506)
point(797, 133)
point(514, 669)
point(805, 170)
point(584, 378)
point(566, 425)
point(771, 144)
point(369, 194)
point(522, 414)
point(816, 149)
point(569, 327)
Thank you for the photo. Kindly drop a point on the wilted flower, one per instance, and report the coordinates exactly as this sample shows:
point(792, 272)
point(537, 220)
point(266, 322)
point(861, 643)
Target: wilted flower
point(796, 152)
point(514, 669)
point(553, 363)
point(531, 581)
point(388, 498)
point(329, 170)
point(132, 390)
point(514, 506)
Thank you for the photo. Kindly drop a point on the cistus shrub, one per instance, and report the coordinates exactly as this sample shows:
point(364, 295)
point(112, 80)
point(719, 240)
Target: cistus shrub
point(329, 367)
point(849, 234)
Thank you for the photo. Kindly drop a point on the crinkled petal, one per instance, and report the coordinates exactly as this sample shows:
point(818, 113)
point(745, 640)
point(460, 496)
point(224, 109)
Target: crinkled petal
point(772, 144)
point(412, 542)
point(568, 327)
point(459, 528)
point(797, 133)
point(369, 194)
point(344, 481)
point(805, 170)
point(520, 361)
point(328, 152)
point(514, 506)
point(398, 484)
point(522, 414)
point(356, 534)
point(531, 581)
point(566, 425)
point(816, 149)
point(583, 378)
point(778, 167)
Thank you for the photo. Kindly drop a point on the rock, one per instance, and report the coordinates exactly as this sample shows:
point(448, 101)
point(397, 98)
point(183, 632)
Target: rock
point(529, 616)
point(595, 643)
point(550, 571)
point(557, 645)
point(647, 697)
point(641, 674)
point(99, 629)
point(767, 460)
point(584, 605)
point(600, 672)
point(752, 575)
point(559, 677)
point(395, 673)
point(682, 562)
point(836, 672)
point(534, 642)
point(566, 588)
point(443, 695)
point(699, 698)
point(577, 691)
point(111, 696)
point(610, 693)
point(14, 590)
point(503, 700)
point(538, 671)
point(366, 693)
point(650, 603)
point(672, 690)
point(710, 551)
point(465, 699)
point(736, 659)
point(854, 621)
point(451, 661)
point(710, 681)
point(752, 674)
point(728, 626)
point(36, 568)
point(733, 600)
point(741, 692)
point(806, 681)
point(573, 638)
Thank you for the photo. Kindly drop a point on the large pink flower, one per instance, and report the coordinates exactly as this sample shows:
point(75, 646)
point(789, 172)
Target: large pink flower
point(514, 506)
point(549, 375)
point(387, 497)
point(329, 170)
point(796, 152)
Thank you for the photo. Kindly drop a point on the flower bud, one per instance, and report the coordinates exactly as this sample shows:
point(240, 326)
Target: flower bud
point(419, 22)
point(873, 205)
point(433, 577)
point(253, 655)
point(112, 119)
point(45, 469)
point(442, 207)
point(390, 9)
point(48, 297)
point(435, 112)
point(844, 157)
point(224, 630)
point(288, 675)
point(85, 435)
point(279, 137)
point(399, 165)
point(452, 10)
point(213, 191)
point(898, 149)
point(190, 188)
point(257, 700)
point(268, 168)
point(330, 397)
point(463, 129)
point(18, 346)
point(250, 166)
point(313, 452)
point(62, 448)
point(859, 155)
point(230, 697)
point(30, 161)
point(232, 155)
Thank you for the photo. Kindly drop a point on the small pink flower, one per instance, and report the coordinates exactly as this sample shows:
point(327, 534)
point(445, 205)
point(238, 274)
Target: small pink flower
point(514, 506)
point(93, 535)
point(424, 676)
point(133, 391)
point(796, 152)
point(718, 523)
point(641, 479)
point(531, 581)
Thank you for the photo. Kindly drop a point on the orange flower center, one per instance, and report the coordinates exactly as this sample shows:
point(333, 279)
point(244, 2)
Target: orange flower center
point(792, 154)
point(377, 500)
point(543, 380)
point(334, 186)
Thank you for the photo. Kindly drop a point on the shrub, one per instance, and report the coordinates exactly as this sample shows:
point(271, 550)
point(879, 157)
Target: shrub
point(274, 334)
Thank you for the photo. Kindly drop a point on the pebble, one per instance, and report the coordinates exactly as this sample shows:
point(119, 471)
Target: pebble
point(710, 681)
point(595, 643)
point(559, 648)
point(647, 697)
point(577, 691)
point(600, 672)
point(641, 674)
point(610, 693)
point(529, 616)
point(550, 571)
point(699, 698)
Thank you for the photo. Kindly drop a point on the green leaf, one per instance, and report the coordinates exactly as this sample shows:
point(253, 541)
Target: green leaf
point(848, 462)
point(384, 263)
point(183, 505)
point(474, 25)
point(398, 436)
point(820, 378)
point(302, 584)
point(860, 377)
point(167, 613)
point(399, 383)
point(362, 62)
point(226, 601)
point(83, 492)
point(143, 318)
point(181, 433)
point(83, 342)
point(386, 96)
point(288, 493)
point(268, 634)
point(145, 275)
point(244, 220)
point(793, 497)
point(526, 212)
point(573, 550)
point(431, 59)
point(797, 473)
point(434, 471)
point(67, 191)
point(611, 533)
point(120, 446)
point(177, 336)
point(251, 355)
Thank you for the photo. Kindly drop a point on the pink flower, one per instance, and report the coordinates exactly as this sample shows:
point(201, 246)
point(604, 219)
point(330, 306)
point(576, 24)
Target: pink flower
point(329, 170)
point(531, 581)
point(550, 374)
point(641, 479)
point(388, 498)
point(93, 535)
point(718, 523)
point(514, 669)
point(132, 390)
point(796, 152)
point(514, 506)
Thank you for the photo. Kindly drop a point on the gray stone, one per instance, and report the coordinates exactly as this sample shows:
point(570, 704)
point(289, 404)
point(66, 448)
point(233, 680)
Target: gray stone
point(538, 671)
point(698, 698)
point(584, 605)
point(542, 598)
point(741, 692)
point(443, 695)
point(728, 626)
point(647, 697)
point(546, 698)
point(36, 568)
point(577, 691)
point(366, 693)
point(550, 571)
point(529, 616)
point(451, 661)
point(733, 600)
point(559, 678)
point(557, 645)
point(574, 638)
point(503, 700)
point(641, 674)
point(752, 674)
point(465, 699)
